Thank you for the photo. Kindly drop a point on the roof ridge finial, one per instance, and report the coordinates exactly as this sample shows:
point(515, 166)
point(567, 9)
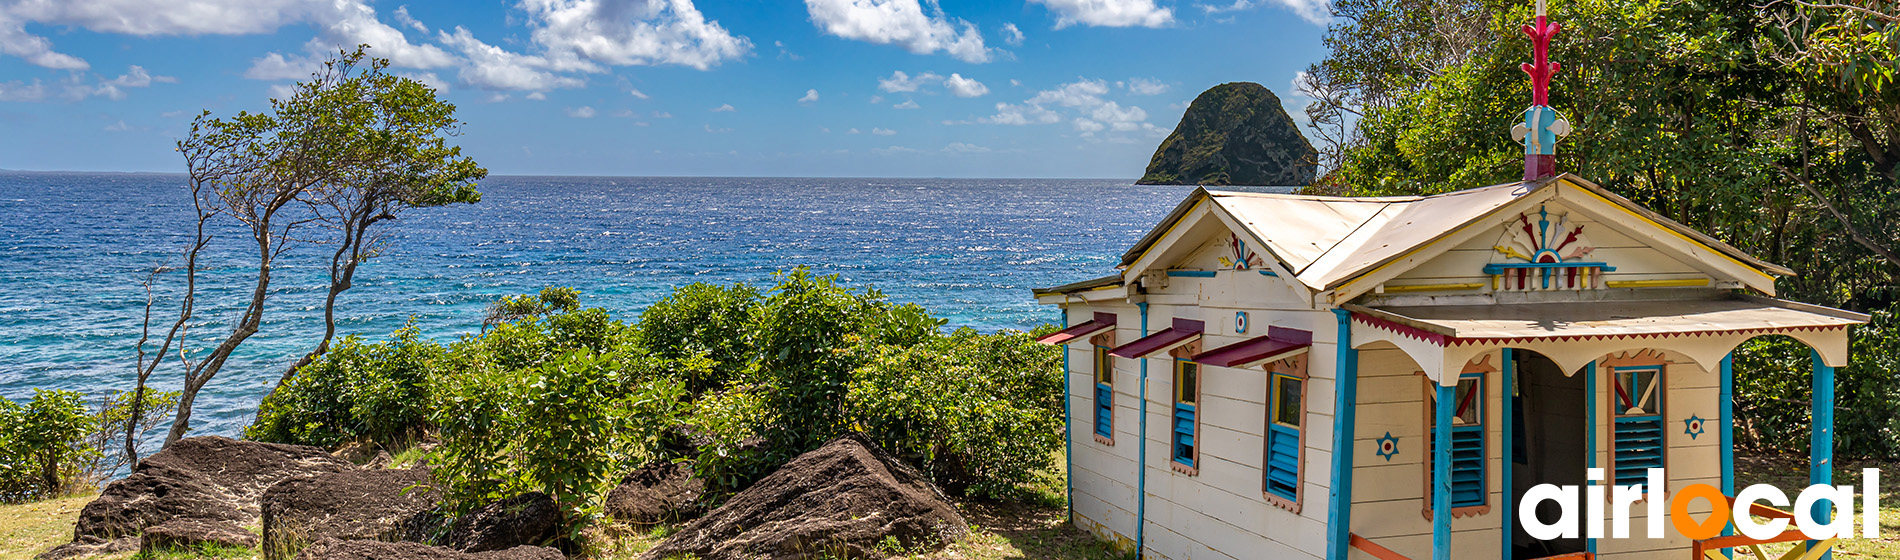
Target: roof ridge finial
point(1542, 125)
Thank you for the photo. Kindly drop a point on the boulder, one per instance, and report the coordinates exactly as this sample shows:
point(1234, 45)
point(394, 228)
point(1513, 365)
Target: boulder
point(844, 499)
point(89, 545)
point(335, 549)
point(657, 493)
point(351, 505)
point(209, 478)
point(531, 519)
point(191, 533)
point(1234, 134)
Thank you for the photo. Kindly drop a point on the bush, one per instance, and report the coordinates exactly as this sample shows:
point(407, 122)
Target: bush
point(110, 420)
point(981, 413)
point(703, 320)
point(357, 391)
point(1774, 388)
point(45, 445)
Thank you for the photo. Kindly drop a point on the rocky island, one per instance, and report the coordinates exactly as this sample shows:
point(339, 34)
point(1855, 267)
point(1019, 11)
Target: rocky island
point(1234, 134)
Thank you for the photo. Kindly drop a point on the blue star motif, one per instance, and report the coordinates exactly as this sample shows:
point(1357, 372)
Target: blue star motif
point(1388, 446)
point(1692, 426)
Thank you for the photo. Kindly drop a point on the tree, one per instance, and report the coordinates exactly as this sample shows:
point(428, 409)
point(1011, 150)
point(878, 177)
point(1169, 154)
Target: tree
point(391, 157)
point(350, 148)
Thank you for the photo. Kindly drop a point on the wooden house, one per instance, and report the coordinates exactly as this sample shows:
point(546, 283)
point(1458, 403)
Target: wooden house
point(1287, 376)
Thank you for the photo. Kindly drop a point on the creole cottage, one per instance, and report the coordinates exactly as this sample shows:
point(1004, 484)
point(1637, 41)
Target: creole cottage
point(1289, 376)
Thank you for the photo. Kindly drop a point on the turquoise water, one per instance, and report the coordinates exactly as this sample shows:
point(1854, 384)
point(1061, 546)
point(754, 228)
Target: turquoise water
point(74, 249)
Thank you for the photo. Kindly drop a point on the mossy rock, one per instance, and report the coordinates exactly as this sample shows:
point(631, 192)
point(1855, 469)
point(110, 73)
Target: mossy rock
point(1234, 134)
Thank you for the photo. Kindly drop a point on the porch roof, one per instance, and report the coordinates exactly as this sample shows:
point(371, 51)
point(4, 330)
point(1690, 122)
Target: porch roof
point(1460, 324)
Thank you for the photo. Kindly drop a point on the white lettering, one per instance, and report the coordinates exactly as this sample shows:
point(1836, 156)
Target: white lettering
point(1744, 504)
point(1656, 504)
point(1837, 525)
point(1566, 499)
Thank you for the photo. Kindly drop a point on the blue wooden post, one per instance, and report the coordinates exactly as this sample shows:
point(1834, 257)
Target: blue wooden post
point(1821, 439)
point(1508, 506)
point(1725, 403)
point(1590, 389)
point(1068, 429)
point(1141, 452)
point(1441, 474)
point(1345, 401)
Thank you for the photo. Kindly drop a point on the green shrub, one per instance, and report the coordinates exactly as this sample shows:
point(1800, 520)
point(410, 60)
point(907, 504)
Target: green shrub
point(1774, 388)
point(703, 320)
point(110, 420)
point(357, 391)
point(46, 446)
point(982, 414)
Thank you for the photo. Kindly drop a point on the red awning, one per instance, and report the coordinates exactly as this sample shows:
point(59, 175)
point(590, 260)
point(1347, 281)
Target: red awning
point(1183, 332)
point(1278, 344)
point(1101, 322)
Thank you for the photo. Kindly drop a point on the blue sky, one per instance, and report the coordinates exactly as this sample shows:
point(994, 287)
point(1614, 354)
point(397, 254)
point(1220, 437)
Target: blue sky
point(883, 88)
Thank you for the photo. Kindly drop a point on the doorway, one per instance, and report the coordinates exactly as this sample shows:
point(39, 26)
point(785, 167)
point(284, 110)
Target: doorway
point(1548, 446)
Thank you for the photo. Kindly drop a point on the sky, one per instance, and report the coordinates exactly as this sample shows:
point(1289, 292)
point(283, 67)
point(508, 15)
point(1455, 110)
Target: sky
point(819, 88)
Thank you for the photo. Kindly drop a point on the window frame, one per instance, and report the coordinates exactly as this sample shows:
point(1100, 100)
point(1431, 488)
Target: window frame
point(1658, 368)
point(1102, 360)
point(1479, 370)
point(1293, 368)
point(1191, 463)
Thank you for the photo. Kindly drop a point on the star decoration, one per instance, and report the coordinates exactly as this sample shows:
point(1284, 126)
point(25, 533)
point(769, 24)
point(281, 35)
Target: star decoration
point(1388, 446)
point(1692, 426)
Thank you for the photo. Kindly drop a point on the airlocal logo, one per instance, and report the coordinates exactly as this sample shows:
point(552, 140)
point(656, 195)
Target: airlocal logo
point(1623, 498)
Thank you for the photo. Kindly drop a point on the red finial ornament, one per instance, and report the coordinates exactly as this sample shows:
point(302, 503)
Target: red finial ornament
point(1542, 125)
point(1542, 68)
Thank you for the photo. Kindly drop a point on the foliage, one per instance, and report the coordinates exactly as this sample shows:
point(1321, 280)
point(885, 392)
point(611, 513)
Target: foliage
point(979, 412)
point(111, 418)
point(704, 320)
point(1773, 386)
point(373, 392)
point(45, 443)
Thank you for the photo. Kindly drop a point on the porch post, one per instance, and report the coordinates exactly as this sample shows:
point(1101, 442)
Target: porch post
point(1821, 439)
point(1346, 389)
point(1068, 429)
point(1725, 406)
point(1441, 474)
point(1590, 434)
point(1507, 506)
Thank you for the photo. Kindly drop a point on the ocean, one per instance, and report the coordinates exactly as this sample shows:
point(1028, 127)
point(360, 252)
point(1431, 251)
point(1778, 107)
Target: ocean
point(76, 247)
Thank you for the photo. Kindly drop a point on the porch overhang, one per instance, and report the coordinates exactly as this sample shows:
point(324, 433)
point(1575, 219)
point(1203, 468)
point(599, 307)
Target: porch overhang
point(1183, 332)
point(1443, 338)
point(1280, 343)
point(1102, 322)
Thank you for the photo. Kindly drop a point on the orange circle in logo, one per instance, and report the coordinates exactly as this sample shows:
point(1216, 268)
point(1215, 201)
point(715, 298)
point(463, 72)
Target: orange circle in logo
point(1708, 528)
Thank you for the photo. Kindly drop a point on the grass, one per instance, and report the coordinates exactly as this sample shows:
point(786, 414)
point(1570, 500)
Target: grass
point(1790, 474)
point(29, 529)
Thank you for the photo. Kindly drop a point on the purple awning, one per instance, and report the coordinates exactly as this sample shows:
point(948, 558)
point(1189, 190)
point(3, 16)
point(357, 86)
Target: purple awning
point(1183, 332)
point(1278, 344)
point(1101, 322)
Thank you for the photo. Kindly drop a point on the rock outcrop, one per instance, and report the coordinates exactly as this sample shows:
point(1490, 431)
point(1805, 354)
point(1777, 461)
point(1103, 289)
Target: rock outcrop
point(1234, 134)
point(335, 549)
point(210, 481)
point(191, 533)
point(531, 519)
point(349, 505)
point(843, 500)
point(659, 493)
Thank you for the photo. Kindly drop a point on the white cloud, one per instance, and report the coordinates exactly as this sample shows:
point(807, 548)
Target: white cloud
point(21, 91)
point(726, 108)
point(429, 79)
point(1108, 13)
point(491, 67)
point(1012, 35)
point(811, 96)
point(403, 17)
point(1086, 126)
point(1111, 112)
point(965, 87)
point(901, 82)
point(883, 131)
point(907, 104)
point(962, 148)
point(1015, 82)
point(281, 91)
point(711, 130)
point(662, 115)
point(852, 131)
point(876, 99)
point(134, 77)
point(893, 150)
point(582, 112)
point(637, 94)
point(275, 66)
point(630, 33)
point(899, 22)
point(1021, 115)
point(1146, 86)
point(1317, 12)
point(118, 127)
point(536, 96)
point(1083, 97)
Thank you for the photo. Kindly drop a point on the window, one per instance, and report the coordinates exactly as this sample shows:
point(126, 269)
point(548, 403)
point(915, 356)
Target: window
point(1467, 443)
point(1187, 393)
point(1285, 406)
point(1104, 395)
point(1636, 407)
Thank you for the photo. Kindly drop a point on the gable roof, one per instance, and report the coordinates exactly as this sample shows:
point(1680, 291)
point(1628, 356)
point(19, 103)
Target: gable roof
point(1327, 241)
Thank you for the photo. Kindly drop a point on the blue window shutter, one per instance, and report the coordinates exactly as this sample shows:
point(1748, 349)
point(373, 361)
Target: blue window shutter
point(1184, 434)
point(1283, 461)
point(1639, 447)
point(1105, 410)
